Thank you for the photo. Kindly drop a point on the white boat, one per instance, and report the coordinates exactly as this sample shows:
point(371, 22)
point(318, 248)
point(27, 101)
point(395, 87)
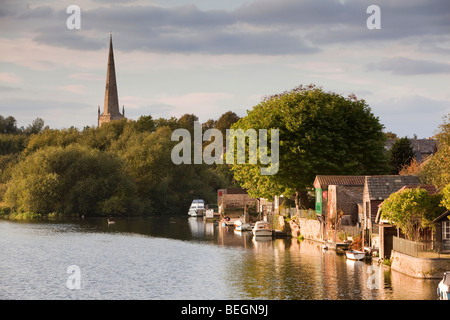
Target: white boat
point(355, 254)
point(262, 229)
point(197, 208)
point(443, 289)
point(239, 225)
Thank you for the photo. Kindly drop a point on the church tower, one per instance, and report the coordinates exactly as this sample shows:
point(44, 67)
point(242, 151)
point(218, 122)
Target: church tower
point(111, 106)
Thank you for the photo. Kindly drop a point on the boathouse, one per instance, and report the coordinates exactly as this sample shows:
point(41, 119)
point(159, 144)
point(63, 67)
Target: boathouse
point(376, 190)
point(338, 193)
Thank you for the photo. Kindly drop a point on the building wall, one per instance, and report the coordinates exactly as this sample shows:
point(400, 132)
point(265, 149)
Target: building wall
point(310, 229)
point(419, 267)
point(104, 118)
point(345, 198)
point(234, 199)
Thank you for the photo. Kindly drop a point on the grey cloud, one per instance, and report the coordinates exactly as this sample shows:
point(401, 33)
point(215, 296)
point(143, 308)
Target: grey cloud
point(259, 27)
point(7, 88)
point(406, 67)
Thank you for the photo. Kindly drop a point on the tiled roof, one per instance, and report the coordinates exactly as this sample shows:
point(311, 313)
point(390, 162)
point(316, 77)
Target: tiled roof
point(381, 187)
point(422, 146)
point(235, 191)
point(324, 181)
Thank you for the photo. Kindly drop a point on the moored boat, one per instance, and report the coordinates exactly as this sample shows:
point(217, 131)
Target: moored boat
point(197, 208)
point(262, 229)
point(355, 254)
point(239, 225)
point(443, 289)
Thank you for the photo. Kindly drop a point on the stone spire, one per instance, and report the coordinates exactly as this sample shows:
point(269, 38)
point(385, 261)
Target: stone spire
point(111, 106)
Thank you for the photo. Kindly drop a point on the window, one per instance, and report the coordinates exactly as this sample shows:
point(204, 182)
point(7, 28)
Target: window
point(446, 230)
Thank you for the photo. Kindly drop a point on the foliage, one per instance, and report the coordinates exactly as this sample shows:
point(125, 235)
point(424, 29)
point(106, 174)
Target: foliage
point(412, 210)
point(12, 143)
point(121, 168)
point(320, 133)
point(74, 179)
point(413, 168)
point(446, 197)
point(401, 154)
point(8, 125)
point(436, 170)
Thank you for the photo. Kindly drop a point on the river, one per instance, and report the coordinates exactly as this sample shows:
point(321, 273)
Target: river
point(182, 258)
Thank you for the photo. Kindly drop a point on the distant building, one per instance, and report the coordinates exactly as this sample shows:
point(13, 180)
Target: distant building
point(234, 200)
point(422, 148)
point(111, 105)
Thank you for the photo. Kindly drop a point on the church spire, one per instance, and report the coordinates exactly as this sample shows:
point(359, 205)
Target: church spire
point(111, 97)
point(111, 104)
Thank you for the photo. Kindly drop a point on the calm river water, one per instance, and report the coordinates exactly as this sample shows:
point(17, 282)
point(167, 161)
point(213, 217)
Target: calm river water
point(182, 258)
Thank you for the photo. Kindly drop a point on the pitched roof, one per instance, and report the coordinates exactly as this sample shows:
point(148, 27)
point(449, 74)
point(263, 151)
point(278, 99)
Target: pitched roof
point(442, 217)
point(419, 145)
point(324, 181)
point(381, 187)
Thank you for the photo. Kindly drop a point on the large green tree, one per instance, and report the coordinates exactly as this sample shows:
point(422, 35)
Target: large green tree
point(320, 133)
point(401, 154)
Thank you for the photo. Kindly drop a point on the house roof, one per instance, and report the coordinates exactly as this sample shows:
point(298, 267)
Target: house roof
point(381, 187)
point(424, 146)
point(442, 216)
point(325, 181)
point(235, 191)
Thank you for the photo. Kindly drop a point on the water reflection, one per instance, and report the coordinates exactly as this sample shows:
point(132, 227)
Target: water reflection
point(156, 264)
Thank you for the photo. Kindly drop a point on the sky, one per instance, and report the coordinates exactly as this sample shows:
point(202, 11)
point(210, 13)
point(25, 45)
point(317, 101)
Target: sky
point(207, 57)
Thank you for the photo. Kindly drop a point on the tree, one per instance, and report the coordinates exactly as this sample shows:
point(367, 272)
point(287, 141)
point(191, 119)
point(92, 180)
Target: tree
point(35, 127)
point(412, 210)
point(391, 135)
point(320, 133)
point(401, 154)
point(436, 170)
point(8, 125)
point(145, 123)
point(71, 180)
point(225, 122)
point(446, 197)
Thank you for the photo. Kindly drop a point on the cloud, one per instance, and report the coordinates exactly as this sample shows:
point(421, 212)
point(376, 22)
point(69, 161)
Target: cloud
point(86, 76)
point(8, 88)
point(9, 78)
point(406, 66)
point(262, 27)
point(78, 89)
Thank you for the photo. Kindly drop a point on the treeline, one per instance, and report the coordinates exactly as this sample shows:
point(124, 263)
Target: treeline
point(122, 168)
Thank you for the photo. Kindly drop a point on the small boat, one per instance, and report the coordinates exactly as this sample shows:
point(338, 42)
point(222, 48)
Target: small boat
point(443, 289)
point(262, 229)
point(355, 254)
point(239, 225)
point(197, 208)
